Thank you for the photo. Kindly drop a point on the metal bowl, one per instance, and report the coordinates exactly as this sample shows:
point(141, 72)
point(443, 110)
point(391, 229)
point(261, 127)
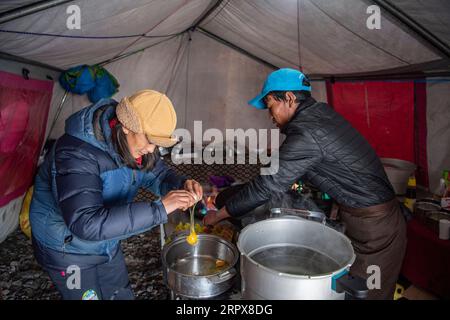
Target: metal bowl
point(191, 271)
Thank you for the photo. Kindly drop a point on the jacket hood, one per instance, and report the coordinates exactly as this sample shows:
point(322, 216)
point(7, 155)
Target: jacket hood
point(81, 124)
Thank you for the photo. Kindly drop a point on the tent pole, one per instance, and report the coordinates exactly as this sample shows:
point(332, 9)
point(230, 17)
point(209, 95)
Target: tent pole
point(194, 25)
point(30, 9)
point(11, 57)
point(207, 13)
point(229, 44)
point(437, 44)
point(391, 77)
point(58, 112)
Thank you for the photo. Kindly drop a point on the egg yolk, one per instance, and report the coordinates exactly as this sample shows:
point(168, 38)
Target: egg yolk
point(192, 238)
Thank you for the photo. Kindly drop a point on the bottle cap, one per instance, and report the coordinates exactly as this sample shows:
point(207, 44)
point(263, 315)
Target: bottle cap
point(412, 181)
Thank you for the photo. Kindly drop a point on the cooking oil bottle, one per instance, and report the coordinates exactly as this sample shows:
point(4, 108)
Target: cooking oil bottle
point(410, 198)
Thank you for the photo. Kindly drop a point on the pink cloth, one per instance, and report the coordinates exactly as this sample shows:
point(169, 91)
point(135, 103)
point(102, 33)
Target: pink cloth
point(24, 106)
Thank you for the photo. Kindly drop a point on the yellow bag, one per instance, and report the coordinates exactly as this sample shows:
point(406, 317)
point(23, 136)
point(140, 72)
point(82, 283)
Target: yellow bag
point(24, 217)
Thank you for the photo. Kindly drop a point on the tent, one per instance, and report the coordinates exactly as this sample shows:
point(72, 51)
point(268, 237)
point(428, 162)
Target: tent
point(211, 56)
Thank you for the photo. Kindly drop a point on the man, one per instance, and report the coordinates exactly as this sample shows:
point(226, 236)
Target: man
point(323, 148)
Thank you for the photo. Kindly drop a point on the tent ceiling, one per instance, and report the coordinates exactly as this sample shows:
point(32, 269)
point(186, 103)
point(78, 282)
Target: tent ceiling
point(6, 5)
point(433, 15)
point(333, 35)
point(112, 18)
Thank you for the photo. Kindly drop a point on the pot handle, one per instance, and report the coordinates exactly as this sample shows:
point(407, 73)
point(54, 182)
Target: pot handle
point(223, 277)
point(354, 286)
point(351, 285)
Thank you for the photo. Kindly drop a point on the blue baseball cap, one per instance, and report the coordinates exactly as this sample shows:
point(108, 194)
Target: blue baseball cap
point(285, 79)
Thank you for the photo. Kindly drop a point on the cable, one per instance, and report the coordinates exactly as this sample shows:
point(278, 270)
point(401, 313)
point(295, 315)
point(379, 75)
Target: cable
point(89, 37)
point(58, 112)
point(217, 13)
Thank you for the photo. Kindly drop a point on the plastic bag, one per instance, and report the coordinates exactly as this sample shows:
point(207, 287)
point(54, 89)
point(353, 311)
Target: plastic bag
point(24, 217)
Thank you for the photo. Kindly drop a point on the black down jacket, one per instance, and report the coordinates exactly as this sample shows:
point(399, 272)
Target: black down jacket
point(324, 149)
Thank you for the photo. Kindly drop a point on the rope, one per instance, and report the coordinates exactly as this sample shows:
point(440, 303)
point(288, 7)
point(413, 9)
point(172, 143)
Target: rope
point(89, 37)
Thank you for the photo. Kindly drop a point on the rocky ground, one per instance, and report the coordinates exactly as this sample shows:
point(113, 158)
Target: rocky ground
point(21, 277)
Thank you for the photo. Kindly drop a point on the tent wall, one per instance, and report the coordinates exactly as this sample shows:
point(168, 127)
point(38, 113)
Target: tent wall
point(9, 217)
point(438, 138)
point(213, 89)
point(9, 213)
point(220, 81)
point(319, 91)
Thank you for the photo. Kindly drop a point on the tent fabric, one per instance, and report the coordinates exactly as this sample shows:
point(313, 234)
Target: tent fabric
point(334, 38)
point(6, 5)
point(433, 15)
point(333, 35)
point(420, 133)
point(23, 116)
point(9, 217)
point(383, 112)
point(101, 17)
point(220, 102)
point(438, 133)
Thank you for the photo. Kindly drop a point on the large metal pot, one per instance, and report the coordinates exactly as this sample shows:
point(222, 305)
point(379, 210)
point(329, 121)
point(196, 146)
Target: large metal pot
point(191, 271)
point(294, 258)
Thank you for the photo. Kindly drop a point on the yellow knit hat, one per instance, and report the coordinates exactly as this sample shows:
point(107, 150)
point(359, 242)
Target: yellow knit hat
point(149, 112)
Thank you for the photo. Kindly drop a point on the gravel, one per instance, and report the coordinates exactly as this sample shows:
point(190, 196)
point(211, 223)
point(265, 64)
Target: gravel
point(21, 277)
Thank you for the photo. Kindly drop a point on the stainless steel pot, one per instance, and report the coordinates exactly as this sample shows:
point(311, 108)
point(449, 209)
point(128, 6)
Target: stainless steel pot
point(294, 258)
point(191, 271)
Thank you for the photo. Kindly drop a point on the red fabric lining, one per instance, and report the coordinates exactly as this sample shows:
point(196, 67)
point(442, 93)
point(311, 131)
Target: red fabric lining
point(420, 90)
point(383, 112)
point(24, 106)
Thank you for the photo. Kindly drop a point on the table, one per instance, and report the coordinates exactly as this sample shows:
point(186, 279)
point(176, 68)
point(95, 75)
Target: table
point(427, 260)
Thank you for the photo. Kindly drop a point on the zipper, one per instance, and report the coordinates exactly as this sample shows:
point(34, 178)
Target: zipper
point(66, 240)
point(134, 178)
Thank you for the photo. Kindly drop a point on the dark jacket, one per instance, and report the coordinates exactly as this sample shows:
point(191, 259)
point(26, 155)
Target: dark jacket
point(324, 149)
point(83, 196)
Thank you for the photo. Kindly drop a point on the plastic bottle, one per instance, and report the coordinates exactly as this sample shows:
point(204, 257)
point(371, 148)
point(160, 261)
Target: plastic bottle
point(410, 197)
point(445, 200)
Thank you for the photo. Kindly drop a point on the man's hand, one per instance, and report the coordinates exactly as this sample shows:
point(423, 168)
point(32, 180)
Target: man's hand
point(195, 188)
point(213, 217)
point(178, 199)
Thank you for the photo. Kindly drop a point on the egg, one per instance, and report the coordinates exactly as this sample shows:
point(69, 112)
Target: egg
point(220, 263)
point(192, 238)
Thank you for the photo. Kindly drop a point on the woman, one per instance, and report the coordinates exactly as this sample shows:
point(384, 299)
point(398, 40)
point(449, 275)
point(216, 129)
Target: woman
point(83, 200)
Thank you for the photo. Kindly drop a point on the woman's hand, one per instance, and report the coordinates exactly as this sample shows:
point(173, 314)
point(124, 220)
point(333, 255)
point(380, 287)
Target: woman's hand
point(195, 188)
point(214, 217)
point(178, 199)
